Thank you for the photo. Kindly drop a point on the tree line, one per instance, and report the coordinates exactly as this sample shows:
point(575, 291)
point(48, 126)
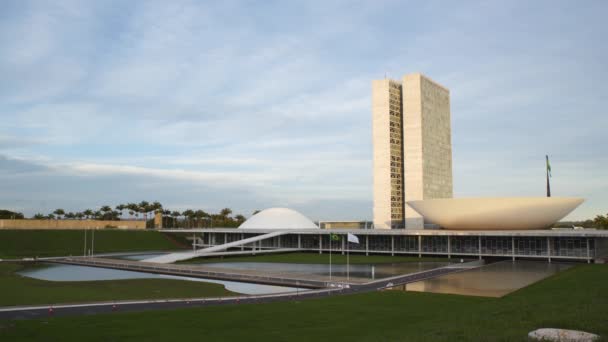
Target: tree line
point(189, 218)
point(599, 222)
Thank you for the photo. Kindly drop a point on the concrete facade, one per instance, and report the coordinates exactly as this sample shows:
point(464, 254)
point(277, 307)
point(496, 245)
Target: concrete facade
point(71, 224)
point(387, 121)
point(427, 141)
point(412, 148)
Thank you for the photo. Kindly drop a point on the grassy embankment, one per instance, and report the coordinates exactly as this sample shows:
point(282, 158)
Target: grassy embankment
point(573, 299)
point(19, 290)
point(44, 243)
point(316, 258)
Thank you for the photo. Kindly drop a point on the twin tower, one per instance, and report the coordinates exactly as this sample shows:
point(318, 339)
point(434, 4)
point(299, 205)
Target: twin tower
point(412, 148)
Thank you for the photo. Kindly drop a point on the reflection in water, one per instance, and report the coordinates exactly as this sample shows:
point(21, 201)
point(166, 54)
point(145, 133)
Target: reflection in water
point(84, 273)
point(361, 271)
point(138, 256)
point(494, 280)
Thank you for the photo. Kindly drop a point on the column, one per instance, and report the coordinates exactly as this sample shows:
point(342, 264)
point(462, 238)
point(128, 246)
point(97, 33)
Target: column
point(225, 237)
point(420, 246)
point(549, 248)
point(392, 245)
point(588, 252)
point(320, 244)
point(449, 248)
point(343, 238)
point(513, 248)
point(479, 246)
point(243, 245)
point(299, 241)
point(279, 241)
point(366, 244)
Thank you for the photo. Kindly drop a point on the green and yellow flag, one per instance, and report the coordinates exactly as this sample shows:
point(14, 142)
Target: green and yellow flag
point(548, 166)
point(334, 237)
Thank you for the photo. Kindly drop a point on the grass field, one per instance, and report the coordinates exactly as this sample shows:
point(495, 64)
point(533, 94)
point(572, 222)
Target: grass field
point(574, 299)
point(18, 290)
point(315, 258)
point(42, 243)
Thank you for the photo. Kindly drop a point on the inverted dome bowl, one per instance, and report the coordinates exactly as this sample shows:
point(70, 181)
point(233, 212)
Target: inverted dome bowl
point(502, 213)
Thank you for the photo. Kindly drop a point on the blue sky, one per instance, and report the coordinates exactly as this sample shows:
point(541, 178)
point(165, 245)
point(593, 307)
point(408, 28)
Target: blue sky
point(254, 104)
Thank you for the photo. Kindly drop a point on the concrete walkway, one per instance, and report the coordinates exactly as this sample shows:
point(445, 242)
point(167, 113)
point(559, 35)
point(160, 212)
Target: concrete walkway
point(174, 257)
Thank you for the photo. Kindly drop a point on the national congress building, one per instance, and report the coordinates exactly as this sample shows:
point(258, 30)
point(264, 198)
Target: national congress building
point(413, 190)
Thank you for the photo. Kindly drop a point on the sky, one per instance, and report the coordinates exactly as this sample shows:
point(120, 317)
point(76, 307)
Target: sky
point(257, 104)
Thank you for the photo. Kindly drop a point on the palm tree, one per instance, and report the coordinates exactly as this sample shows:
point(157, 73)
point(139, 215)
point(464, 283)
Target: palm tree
point(224, 213)
point(88, 213)
point(133, 208)
point(120, 208)
point(166, 214)
point(59, 213)
point(144, 207)
point(200, 214)
point(79, 215)
point(107, 212)
point(97, 214)
point(188, 214)
point(156, 205)
point(239, 219)
point(176, 215)
point(38, 216)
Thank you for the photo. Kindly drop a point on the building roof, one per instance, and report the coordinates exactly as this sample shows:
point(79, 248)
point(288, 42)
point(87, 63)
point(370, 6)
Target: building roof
point(278, 218)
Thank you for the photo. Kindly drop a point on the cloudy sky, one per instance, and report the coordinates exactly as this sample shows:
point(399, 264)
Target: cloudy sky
point(253, 104)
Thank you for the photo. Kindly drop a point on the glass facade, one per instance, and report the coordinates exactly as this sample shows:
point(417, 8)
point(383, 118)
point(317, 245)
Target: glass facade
point(453, 245)
point(396, 154)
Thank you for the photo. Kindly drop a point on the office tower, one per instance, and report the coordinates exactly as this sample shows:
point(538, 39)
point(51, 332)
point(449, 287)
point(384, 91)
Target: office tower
point(412, 148)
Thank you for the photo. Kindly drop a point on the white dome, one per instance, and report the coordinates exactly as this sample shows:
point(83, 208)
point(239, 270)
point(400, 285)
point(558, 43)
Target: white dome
point(278, 218)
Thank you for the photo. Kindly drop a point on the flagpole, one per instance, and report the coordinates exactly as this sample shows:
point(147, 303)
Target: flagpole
point(330, 238)
point(548, 167)
point(347, 260)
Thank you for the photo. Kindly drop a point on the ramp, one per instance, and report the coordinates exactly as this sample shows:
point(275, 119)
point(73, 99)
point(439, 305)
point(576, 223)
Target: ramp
point(173, 257)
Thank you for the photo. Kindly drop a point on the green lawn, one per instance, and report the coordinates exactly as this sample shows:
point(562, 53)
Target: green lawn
point(42, 243)
point(573, 299)
point(316, 258)
point(19, 290)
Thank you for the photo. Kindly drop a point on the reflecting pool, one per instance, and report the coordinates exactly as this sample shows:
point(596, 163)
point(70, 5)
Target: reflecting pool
point(494, 280)
point(54, 272)
point(356, 271)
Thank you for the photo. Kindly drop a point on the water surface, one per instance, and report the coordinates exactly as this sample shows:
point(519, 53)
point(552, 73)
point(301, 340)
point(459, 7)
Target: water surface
point(55, 272)
point(360, 271)
point(494, 280)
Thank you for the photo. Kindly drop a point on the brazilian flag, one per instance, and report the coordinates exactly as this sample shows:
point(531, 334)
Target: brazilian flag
point(334, 237)
point(548, 166)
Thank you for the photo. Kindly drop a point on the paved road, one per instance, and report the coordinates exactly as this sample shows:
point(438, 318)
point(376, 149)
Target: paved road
point(43, 311)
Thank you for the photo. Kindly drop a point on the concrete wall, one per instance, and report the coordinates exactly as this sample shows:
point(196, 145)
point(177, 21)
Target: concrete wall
point(70, 224)
point(381, 143)
point(427, 144)
point(388, 154)
point(343, 225)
